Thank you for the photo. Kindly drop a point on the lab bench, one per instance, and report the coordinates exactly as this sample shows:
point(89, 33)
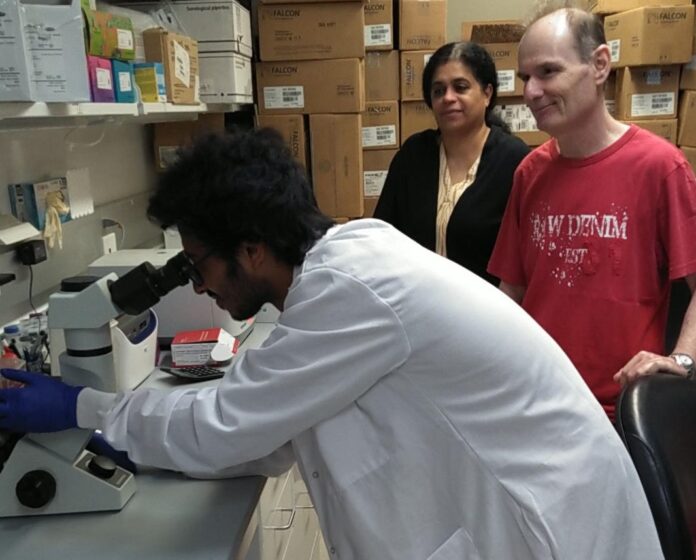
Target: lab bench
point(171, 516)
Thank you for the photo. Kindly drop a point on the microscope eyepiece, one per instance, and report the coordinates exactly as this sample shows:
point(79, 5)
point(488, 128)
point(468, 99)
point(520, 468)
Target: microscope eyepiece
point(142, 287)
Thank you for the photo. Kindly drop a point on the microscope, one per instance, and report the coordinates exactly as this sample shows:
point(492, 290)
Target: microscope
point(54, 473)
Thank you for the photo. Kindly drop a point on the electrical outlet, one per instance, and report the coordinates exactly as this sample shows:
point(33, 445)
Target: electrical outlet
point(109, 243)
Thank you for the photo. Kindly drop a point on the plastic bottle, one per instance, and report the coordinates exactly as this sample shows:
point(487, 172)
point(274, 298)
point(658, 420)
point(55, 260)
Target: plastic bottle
point(10, 360)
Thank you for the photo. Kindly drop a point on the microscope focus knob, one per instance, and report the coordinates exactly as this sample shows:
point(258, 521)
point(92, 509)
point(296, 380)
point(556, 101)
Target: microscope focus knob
point(102, 467)
point(36, 489)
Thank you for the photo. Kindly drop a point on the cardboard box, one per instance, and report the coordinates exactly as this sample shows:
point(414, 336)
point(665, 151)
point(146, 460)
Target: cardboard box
point(303, 1)
point(687, 119)
point(337, 164)
point(54, 35)
point(647, 92)
point(179, 55)
point(416, 116)
point(381, 75)
point(100, 79)
point(370, 205)
point(614, 6)
point(217, 25)
point(170, 136)
point(650, 36)
point(311, 31)
point(292, 129)
point(109, 35)
point(225, 78)
point(311, 86)
point(610, 93)
point(124, 82)
point(15, 60)
point(422, 24)
point(501, 39)
point(412, 66)
point(520, 120)
point(688, 75)
point(380, 125)
point(690, 154)
point(379, 25)
point(665, 128)
point(29, 201)
point(375, 168)
point(149, 79)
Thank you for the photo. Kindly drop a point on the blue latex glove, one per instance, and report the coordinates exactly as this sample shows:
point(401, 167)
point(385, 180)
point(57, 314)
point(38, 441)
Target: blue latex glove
point(99, 446)
point(44, 404)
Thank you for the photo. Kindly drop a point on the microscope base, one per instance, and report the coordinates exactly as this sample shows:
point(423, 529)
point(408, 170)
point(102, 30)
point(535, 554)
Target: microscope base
point(38, 480)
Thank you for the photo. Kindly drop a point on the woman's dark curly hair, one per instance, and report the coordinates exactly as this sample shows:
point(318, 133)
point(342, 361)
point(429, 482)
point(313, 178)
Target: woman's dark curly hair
point(480, 64)
point(240, 187)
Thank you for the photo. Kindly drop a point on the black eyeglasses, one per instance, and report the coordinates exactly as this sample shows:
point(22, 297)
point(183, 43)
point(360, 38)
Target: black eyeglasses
point(191, 269)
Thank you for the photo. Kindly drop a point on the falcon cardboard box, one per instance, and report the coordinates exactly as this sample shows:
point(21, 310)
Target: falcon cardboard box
point(225, 78)
point(614, 6)
point(311, 31)
point(422, 24)
point(687, 119)
point(311, 86)
point(379, 25)
point(647, 92)
point(337, 164)
point(375, 168)
point(665, 128)
point(179, 56)
point(500, 39)
point(690, 154)
point(380, 125)
point(521, 121)
point(292, 129)
point(416, 116)
point(688, 75)
point(412, 66)
point(649, 36)
point(381, 75)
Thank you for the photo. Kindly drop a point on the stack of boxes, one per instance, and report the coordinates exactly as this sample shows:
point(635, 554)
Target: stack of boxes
point(687, 109)
point(649, 42)
point(501, 39)
point(312, 67)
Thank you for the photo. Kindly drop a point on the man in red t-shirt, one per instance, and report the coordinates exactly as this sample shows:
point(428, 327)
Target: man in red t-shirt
point(600, 220)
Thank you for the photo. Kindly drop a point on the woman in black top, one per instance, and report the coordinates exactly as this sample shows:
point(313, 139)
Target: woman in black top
point(448, 188)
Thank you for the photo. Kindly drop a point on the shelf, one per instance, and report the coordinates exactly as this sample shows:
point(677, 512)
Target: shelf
point(20, 115)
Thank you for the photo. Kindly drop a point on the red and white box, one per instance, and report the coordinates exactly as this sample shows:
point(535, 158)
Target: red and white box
point(203, 347)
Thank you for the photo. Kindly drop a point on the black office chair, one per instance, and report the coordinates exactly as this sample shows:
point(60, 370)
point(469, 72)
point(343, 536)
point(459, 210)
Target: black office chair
point(656, 418)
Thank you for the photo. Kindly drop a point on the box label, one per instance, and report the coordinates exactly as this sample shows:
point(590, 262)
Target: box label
point(378, 136)
point(283, 97)
point(378, 35)
point(653, 77)
point(124, 81)
point(652, 104)
point(182, 64)
point(518, 117)
point(615, 49)
point(103, 78)
point(373, 182)
point(47, 54)
point(506, 81)
point(124, 39)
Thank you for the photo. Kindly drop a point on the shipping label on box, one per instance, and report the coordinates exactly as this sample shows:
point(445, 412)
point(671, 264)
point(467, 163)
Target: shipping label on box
point(292, 129)
point(375, 169)
point(109, 35)
point(416, 116)
point(649, 36)
point(380, 125)
point(311, 31)
point(379, 20)
point(422, 24)
point(521, 121)
point(412, 66)
point(337, 164)
point(30, 201)
point(647, 92)
point(15, 62)
point(314, 86)
point(226, 78)
point(381, 75)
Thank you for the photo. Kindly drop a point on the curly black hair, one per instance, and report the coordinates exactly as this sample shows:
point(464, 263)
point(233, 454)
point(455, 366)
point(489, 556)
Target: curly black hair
point(242, 186)
point(478, 61)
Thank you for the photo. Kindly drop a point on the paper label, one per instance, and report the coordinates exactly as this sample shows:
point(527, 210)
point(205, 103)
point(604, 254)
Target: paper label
point(182, 65)
point(378, 136)
point(45, 44)
point(653, 77)
point(124, 39)
point(506, 81)
point(652, 104)
point(373, 182)
point(283, 97)
point(124, 81)
point(518, 117)
point(615, 49)
point(378, 35)
point(103, 78)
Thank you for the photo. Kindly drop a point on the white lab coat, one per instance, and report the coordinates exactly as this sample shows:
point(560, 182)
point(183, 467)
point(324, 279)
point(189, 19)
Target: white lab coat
point(430, 416)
